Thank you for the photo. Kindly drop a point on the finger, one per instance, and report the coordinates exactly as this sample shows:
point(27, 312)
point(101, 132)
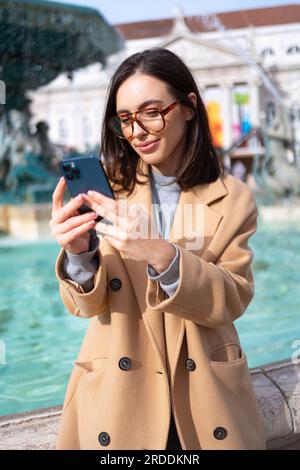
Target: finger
point(68, 210)
point(69, 237)
point(102, 210)
point(101, 199)
point(58, 194)
point(108, 203)
point(115, 243)
point(112, 231)
point(118, 207)
point(73, 222)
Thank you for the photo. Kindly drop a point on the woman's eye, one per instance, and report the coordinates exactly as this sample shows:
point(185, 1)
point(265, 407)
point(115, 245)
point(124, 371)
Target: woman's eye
point(151, 112)
point(124, 120)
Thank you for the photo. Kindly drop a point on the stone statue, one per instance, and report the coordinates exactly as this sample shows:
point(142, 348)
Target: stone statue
point(281, 173)
point(24, 154)
point(49, 154)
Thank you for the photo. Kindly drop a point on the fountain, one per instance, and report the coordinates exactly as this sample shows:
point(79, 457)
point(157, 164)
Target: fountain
point(38, 41)
point(35, 162)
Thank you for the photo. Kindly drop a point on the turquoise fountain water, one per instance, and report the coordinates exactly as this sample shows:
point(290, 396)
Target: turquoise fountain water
point(42, 340)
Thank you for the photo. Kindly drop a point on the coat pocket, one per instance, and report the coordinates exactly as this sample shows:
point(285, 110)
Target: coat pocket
point(226, 353)
point(230, 367)
point(92, 365)
point(90, 384)
point(82, 369)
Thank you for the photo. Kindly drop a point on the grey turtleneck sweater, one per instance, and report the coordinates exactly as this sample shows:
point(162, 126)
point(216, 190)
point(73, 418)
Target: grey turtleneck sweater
point(165, 194)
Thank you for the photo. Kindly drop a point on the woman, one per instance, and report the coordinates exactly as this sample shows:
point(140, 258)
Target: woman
point(161, 366)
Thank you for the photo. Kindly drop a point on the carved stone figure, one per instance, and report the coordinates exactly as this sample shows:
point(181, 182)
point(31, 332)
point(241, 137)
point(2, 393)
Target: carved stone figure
point(281, 174)
point(24, 154)
point(49, 154)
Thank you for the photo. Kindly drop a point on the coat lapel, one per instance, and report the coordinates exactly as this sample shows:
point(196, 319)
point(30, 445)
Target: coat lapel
point(185, 225)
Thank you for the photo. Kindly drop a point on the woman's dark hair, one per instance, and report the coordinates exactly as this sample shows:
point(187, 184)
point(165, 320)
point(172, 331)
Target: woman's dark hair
point(200, 163)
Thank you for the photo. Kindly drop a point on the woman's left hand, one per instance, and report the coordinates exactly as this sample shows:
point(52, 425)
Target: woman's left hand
point(132, 233)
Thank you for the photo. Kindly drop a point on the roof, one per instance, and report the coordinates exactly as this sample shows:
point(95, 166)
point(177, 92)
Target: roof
point(257, 17)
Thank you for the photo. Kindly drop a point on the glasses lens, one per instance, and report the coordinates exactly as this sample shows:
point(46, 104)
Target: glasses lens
point(117, 128)
point(150, 119)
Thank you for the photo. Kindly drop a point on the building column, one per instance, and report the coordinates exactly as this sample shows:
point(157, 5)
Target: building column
point(227, 122)
point(254, 104)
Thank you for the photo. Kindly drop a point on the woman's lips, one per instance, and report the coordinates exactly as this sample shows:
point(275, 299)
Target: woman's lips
point(149, 146)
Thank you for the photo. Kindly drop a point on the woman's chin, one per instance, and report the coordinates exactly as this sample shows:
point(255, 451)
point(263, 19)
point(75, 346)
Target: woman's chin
point(152, 159)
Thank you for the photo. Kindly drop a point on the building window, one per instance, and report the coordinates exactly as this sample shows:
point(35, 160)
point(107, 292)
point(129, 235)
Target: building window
point(268, 52)
point(293, 50)
point(62, 129)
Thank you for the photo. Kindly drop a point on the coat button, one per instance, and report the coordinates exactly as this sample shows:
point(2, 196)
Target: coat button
point(190, 365)
point(115, 284)
point(220, 433)
point(125, 363)
point(104, 438)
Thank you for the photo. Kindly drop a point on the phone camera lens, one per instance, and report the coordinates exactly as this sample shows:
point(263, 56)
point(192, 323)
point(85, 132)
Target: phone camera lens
point(66, 167)
point(71, 171)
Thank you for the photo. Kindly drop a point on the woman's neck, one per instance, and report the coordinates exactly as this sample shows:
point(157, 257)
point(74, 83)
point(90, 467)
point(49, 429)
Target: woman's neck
point(164, 169)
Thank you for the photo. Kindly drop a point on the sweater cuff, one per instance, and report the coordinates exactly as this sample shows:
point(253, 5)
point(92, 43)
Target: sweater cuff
point(82, 268)
point(84, 259)
point(170, 275)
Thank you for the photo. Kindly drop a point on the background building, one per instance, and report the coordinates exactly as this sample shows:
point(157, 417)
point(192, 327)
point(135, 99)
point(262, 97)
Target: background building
point(246, 64)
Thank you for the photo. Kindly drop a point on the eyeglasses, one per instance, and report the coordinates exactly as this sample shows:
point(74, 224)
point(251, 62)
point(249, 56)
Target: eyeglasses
point(149, 119)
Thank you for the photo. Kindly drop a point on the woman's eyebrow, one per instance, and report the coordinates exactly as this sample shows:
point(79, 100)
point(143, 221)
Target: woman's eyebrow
point(145, 103)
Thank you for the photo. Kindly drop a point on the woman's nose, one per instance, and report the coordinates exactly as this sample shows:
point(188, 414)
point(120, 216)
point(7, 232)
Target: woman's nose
point(137, 130)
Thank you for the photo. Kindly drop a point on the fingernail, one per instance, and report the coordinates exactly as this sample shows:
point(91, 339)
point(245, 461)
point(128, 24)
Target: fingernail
point(78, 198)
point(91, 193)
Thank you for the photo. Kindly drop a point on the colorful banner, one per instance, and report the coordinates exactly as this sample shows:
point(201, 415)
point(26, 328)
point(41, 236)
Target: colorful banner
point(241, 111)
point(214, 101)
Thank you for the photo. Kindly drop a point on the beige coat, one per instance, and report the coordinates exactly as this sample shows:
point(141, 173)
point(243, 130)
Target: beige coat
point(144, 353)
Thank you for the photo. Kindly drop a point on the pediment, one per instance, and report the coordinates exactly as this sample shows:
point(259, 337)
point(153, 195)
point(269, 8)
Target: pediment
point(198, 53)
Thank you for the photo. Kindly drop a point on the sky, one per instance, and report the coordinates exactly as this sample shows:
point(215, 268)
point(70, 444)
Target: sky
point(125, 11)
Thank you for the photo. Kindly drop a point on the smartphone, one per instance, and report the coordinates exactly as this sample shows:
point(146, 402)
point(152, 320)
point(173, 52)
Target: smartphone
point(83, 174)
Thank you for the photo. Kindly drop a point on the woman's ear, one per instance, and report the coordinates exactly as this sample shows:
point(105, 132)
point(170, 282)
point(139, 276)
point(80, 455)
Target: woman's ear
point(189, 112)
point(192, 96)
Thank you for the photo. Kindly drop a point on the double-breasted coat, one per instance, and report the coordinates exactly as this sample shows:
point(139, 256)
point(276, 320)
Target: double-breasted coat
point(145, 353)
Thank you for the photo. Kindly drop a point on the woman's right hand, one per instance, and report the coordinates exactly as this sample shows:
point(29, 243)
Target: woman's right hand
point(68, 226)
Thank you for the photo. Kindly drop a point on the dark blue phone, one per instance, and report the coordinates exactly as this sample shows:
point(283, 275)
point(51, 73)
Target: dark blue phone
point(83, 174)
